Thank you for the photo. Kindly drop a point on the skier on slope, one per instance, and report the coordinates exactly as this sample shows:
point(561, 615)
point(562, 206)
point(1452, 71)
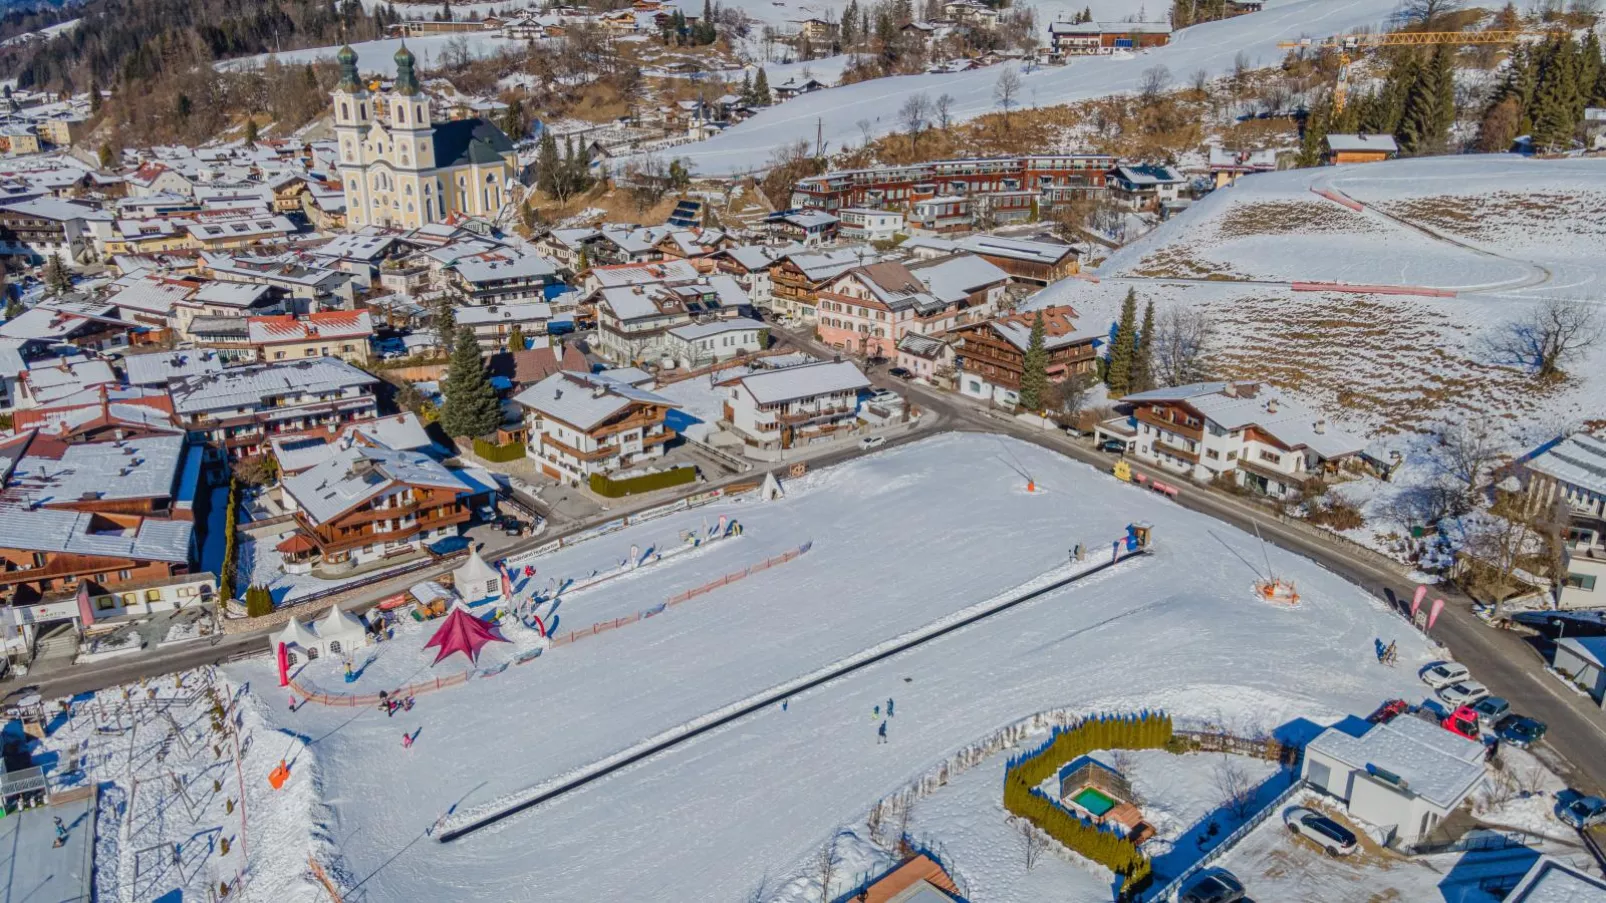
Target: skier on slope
point(881, 735)
point(889, 706)
point(875, 713)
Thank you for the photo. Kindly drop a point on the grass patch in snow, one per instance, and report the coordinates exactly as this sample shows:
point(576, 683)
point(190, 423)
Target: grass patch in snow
point(1292, 218)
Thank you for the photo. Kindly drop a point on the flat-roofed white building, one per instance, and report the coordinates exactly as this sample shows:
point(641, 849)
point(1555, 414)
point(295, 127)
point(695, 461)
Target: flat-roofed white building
point(794, 406)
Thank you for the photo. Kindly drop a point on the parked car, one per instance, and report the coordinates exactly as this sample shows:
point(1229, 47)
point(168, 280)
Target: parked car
point(872, 441)
point(1444, 674)
point(1520, 731)
point(901, 373)
point(449, 545)
point(885, 396)
point(1463, 722)
point(1491, 711)
point(1331, 836)
point(1557, 624)
point(1584, 812)
point(511, 525)
point(1466, 692)
point(1388, 711)
point(487, 512)
point(1113, 446)
point(1213, 886)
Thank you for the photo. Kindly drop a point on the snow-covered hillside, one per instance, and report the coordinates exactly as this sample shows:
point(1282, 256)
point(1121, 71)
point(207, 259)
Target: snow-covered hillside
point(1212, 47)
point(377, 57)
point(901, 539)
point(1501, 232)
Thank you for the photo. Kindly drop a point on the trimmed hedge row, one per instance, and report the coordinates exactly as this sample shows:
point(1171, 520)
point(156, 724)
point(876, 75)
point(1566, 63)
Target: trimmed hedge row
point(648, 482)
point(1150, 730)
point(498, 454)
point(230, 550)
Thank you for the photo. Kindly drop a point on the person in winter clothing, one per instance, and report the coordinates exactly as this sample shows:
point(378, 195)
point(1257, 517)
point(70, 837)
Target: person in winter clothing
point(875, 713)
point(889, 706)
point(407, 741)
point(881, 735)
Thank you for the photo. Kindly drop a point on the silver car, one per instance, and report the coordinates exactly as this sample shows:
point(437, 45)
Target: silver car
point(1331, 836)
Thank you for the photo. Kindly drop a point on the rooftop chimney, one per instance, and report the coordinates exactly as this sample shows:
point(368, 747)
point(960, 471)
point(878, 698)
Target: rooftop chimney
point(1321, 426)
point(1231, 391)
point(1271, 405)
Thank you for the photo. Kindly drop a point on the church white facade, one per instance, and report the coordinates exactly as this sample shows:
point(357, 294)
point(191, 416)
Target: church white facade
point(401, 169)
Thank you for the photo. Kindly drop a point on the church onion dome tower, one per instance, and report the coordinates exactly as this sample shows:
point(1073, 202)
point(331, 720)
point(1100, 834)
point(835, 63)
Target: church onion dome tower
point(406, 81)
point(348, 70)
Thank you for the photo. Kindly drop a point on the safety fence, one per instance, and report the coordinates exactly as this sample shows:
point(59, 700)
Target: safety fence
point(1174, 887)
point(311, 693)
point(605, 626)
point(619, 523)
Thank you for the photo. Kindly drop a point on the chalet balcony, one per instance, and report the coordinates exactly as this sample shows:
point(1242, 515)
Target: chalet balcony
point(602, 453)
point(798, 418)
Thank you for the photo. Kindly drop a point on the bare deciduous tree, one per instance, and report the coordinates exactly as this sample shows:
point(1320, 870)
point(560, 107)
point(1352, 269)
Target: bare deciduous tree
point(945, 110)
point(1180, 342)
point(866, 130)
point(1068, 397)
point(1496, 543)
point(1467, 451)
point(1240, 71)
point(1552, 336)
point(1200, 81)
point(1153, 83)
point(1237, 789)
point(825, 863)
point(913, 115)
point(1006, 92)
point(1032, 841)
point(1420, 12)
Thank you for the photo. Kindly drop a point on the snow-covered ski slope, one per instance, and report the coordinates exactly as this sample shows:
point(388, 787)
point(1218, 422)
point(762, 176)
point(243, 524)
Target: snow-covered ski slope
point(901, 539)
point(1500, 231)
point(1212, 47)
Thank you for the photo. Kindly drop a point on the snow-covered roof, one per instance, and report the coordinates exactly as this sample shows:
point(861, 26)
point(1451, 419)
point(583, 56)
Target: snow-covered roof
point(1578, 461)
point(499, 266)
point(1383, 143)
point(921, 345)
point(1551, 881)
point(330, 324)
point(1059, 328)
point(230, 294)
point(807, 381)
point(249, 387)
point(583, 400)
point(296, 634)
point(56, 209)
point(1438, 765)
point(338, 623)
point(357, 473)
point(143, 468)
point(694, 331)
point(79, 533)
point(1012, 248)
point(954, 278)
point(523, 312)
point(161, 367)
point(1098, 28)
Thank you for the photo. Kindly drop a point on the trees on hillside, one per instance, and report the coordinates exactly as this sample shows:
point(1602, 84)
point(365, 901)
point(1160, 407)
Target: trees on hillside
point(1118, 373)
point(1034, 370)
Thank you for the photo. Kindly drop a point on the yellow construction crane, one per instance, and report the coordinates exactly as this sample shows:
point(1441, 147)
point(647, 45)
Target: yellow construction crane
point(1348, 46)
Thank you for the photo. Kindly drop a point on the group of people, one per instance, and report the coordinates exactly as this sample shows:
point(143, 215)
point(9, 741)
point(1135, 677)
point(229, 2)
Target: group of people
point(875, 715)
point(391, 704)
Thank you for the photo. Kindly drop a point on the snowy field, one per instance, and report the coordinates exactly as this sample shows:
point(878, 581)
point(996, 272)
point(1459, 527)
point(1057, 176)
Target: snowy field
point(1212, 47)
point(1382, 364)
point(901, 539)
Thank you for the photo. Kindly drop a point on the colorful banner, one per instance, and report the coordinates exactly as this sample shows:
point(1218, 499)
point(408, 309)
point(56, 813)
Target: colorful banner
point(703, 498)
point(1416, 601)
point(1433, 614)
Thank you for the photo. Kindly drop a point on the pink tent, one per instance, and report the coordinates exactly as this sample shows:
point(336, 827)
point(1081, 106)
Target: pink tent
point(461, 632)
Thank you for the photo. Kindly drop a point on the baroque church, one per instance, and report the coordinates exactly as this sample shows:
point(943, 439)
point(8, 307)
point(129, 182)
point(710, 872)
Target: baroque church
point(402, 169)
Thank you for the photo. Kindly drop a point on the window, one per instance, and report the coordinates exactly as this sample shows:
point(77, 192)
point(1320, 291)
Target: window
point(38, 559)
point(125, 574)
point(334, 647)
point(345, 110)
point(105, 603)
point(1232, 456)
point(312, 653)
point(1578, 536)
point(1270, 457)
point(129, 600)
point(1212, 454)
point(1585, 582)
point(153, 595)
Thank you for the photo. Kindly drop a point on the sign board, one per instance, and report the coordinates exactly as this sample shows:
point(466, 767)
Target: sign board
point(48, 611)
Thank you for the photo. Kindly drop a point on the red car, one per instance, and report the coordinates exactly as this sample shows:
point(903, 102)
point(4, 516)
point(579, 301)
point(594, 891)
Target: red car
point(1463, 722)
point(1388, 711)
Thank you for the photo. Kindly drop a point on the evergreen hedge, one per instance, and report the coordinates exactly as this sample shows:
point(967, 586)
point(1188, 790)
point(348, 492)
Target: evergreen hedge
point(230, 552)
point(1150, 730)
point(663, 479)
point(498, 454)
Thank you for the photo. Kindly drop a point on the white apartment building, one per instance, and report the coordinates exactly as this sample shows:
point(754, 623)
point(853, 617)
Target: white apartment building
point(865, 224)
point(794, 406)
point(697, 344)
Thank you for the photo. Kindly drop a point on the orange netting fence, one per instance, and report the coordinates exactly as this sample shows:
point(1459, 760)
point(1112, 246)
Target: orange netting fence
point(311, 692)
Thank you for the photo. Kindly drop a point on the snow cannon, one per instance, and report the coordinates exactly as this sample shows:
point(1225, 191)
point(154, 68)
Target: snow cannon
point(279, 775)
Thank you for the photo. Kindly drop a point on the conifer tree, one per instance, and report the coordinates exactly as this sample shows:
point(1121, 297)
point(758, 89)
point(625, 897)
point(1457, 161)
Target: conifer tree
point(1119, 375)
point(57, 279)
point(1143, 358)
point(761, 89)
point(1423, 120)
point(747, 88)
point(471, 407)
point(1556, 97)
point(848, 32)
point(1034, 370)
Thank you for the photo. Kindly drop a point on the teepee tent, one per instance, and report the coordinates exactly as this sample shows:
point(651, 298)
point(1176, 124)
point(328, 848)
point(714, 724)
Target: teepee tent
point(341, 632)
point(475, 580)
point(461, 632)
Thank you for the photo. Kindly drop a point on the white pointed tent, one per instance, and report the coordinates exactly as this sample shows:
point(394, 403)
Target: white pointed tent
point(475, 580)
point(301, 641)
point(341, 632)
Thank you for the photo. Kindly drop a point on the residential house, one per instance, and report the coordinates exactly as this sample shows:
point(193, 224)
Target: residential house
point(750, 266)
point(493, 324)
point(1227, 167)
point(924, 356)
point(523, 369)
point(970, 12)
point(331, 333)
point(581, 424)
point(791, 407)
point(1056, 179)
point(810, 228)
point(1255, 435)
point(945, 214)
point(797, 279)
point(48, 553)
point(1404, 777)
point(501, 277)
point(991, 356)
point(699, 344)
point(1084, 38)
point(36, 230)
point(633, 322)
point(152, 474)
point(1572, 471)
point(305, 288)
point(1550, 880)
point(865, 224)
point(1025, 260)
point(794, 87)
point(866, 310)
point(153, 179)
point(366, 504)
point(1145, 186)
point(1583, 659)
point(159, 368)
point(1359, 149)
point(236, 411)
